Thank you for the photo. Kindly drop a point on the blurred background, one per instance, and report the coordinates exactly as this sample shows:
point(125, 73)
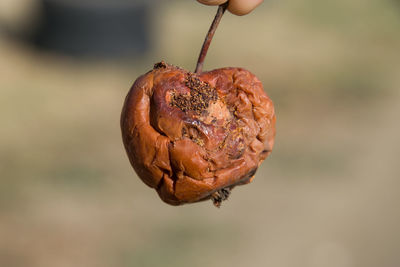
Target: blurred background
point(328, 196)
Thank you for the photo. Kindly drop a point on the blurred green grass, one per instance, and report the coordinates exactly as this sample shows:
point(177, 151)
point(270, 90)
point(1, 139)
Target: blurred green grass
point(327, 196)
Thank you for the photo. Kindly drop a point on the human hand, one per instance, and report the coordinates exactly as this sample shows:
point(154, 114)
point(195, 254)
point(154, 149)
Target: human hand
point(237, 7)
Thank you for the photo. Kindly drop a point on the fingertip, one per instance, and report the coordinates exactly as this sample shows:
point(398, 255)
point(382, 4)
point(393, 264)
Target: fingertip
point(240, 7)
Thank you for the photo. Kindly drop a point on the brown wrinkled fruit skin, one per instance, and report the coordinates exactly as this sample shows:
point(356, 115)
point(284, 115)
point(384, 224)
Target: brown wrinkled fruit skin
point(188, 143)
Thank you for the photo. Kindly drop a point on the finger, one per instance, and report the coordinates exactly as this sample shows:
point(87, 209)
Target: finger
point(212, 2)
point(240, 7)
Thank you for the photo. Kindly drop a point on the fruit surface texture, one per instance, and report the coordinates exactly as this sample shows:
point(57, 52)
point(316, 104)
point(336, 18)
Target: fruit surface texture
point(189, 135)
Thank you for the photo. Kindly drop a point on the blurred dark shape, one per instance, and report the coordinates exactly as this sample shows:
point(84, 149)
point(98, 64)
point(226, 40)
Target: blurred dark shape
point(96, 28)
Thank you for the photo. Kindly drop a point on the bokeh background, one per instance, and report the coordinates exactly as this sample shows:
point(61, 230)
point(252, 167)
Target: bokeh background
point(328, 196)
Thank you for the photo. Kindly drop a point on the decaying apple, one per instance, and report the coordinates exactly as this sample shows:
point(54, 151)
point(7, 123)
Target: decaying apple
point(195, 136)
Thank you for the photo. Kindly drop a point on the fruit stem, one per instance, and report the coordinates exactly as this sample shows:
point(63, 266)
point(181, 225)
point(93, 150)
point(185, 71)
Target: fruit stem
point(209, 37)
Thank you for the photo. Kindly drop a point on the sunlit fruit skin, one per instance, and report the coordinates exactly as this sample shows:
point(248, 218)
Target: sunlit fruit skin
point(189, 135)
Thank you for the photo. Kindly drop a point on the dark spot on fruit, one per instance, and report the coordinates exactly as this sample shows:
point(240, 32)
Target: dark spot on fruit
point(199, 98)
point(160, 65)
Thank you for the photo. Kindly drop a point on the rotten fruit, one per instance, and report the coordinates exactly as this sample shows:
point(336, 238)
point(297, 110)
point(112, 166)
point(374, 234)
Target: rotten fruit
point(195, 136)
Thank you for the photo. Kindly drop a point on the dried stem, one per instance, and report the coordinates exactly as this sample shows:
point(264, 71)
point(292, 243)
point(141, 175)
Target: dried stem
point(209, 37)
